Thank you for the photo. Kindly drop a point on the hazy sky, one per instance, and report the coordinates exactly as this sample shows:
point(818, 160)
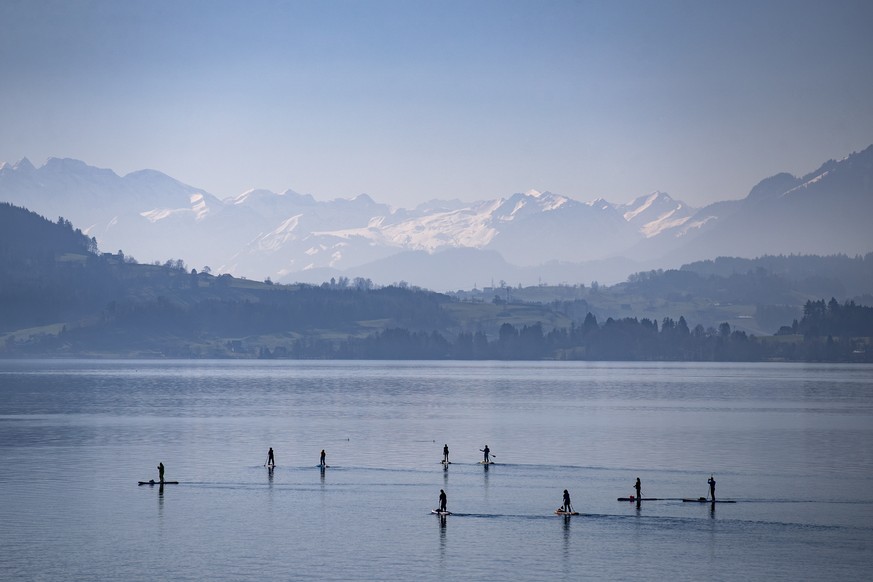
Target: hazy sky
point(409, 101)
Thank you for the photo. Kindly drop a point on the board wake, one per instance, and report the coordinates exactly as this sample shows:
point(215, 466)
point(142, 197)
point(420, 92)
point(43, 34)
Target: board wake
point(158, 482)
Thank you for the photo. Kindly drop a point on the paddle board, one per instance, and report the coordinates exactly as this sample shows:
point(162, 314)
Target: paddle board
point(323, 466)
point(487, 463)
point(446, 462)
point(705, 500)
point(158, 483)
point(562, 512)
point(640, 499)
point(438, 512)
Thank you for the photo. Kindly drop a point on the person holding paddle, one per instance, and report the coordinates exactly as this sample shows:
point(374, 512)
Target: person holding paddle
point(446, 454)
point(161, 472)
point(487, 452)
point(567, 507)
point(442, 501)
point(638, 486)
point(711, 482)
point(271, 460)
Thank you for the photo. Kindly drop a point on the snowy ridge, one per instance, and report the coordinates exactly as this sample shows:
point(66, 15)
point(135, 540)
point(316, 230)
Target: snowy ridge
point(656, 214)
point(248, 195)
point(696, 224)
point(281, 235)
point(468, 227)
point(665, 222)
point(260, 233)
point(631, 214)
point(198, 208)
point(156, 214)
point(806, 184)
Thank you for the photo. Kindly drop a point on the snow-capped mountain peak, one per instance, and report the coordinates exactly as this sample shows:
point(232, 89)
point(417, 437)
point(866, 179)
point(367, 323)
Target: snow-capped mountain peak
point(647, 202)
point(23, 165)
point(806, 184)
point(600, 204)
point(250, 195)
point(655, 213)
point(261, 233)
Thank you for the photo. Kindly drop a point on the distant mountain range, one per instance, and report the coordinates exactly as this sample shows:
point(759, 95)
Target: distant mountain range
point(446, 244)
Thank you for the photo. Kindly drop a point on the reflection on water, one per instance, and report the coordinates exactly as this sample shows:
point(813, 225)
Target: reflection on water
point(567, 519)
point(794, 444)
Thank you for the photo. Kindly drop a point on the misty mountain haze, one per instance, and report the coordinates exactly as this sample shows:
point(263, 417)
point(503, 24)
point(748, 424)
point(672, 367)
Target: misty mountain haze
point(523, 238)
point(59, 295)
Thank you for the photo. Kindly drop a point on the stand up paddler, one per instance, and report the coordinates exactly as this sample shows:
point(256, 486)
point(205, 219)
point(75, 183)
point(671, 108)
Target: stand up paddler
point(567, 507)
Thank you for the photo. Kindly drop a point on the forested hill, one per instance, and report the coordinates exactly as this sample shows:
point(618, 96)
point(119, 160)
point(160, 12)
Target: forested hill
point(59, 295)
point(839, 275)
point(26, 236)
point(43, 274)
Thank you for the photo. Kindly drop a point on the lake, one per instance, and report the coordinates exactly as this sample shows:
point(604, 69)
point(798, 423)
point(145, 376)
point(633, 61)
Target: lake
point(792, 444)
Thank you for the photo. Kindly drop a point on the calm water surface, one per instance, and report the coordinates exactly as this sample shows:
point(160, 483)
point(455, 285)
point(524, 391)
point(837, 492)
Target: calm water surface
point(793, 444)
